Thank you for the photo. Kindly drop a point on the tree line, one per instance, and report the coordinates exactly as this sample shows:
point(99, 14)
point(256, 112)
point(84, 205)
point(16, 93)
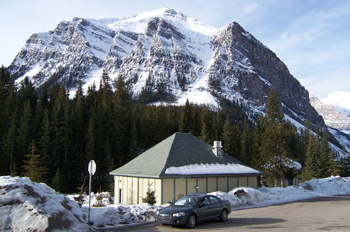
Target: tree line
point(50, 137)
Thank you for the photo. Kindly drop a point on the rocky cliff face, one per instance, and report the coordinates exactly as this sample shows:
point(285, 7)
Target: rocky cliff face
point(245, 65)
point(332, 117)
point(165, 51)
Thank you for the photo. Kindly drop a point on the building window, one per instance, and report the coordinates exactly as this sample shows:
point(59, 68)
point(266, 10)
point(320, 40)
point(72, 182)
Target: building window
point(120, 196)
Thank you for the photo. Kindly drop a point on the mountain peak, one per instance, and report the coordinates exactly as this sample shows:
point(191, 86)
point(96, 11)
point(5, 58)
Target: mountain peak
point(166, 53)
point(173, 16)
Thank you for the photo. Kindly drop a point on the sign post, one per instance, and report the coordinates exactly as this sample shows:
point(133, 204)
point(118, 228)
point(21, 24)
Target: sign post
point(91, 170)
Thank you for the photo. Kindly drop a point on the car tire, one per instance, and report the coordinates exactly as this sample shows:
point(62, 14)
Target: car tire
point(223, 216)
point(191, 221)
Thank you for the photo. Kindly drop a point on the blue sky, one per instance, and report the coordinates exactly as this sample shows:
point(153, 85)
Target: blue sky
point(312, 37)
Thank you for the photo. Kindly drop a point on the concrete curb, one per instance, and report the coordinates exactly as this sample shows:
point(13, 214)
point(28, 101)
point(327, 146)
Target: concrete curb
point(124, 227)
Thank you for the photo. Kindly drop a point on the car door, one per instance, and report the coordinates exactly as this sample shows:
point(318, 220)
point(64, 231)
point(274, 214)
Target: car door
point(204, 209)
point(216, 207)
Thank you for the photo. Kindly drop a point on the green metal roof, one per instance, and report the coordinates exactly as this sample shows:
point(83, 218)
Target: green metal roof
point(180, 149)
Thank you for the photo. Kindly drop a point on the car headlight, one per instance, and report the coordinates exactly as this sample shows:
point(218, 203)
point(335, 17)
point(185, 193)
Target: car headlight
point(180, 214)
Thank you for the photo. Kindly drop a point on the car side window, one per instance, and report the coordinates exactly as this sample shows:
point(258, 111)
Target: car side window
point(214, 200)
point(205, 202)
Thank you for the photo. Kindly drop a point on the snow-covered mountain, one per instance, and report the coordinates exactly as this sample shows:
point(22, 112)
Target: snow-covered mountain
point(164, 51)
point(335, 110)
point(340, 100)
point(338, 124)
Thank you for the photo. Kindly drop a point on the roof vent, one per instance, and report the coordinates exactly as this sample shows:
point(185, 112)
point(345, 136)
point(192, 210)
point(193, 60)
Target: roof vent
point(217, 149)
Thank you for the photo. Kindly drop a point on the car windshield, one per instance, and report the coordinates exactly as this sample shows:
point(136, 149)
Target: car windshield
point(190, 201)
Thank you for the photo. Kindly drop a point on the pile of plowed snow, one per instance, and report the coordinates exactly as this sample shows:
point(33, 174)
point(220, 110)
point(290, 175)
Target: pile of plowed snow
point(29, 206)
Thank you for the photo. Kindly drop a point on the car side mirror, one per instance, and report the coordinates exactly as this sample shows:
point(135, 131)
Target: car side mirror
point(172, 202)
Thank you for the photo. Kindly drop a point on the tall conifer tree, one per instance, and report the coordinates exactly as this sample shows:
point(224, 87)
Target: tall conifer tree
point(186, 118)
point(123, 121)
point(33, 166)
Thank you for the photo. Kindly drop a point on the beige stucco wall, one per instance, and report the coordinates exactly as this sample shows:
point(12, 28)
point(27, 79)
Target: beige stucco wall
point(168, 190)
point(222, 184)
point(211, 185)
point(180, 187)
point(242, 181)
point(133, 189)
point(232, 183)
point(202, 185)
point(253, 182)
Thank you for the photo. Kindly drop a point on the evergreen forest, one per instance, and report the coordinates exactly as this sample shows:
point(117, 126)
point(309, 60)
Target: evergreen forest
point(51, 137)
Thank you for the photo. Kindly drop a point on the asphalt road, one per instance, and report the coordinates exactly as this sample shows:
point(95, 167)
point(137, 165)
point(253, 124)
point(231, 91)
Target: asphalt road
point(317, 214)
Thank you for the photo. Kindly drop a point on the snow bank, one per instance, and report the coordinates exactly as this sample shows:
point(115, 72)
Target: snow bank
point(244, 197)
point(28, 206)
point(328, 186)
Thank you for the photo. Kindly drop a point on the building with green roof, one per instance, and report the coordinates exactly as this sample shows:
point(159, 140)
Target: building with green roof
point(179, 165)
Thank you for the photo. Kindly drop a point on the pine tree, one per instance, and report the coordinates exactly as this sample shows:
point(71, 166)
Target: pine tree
point(246, 145)
point(61, 132)
point(9, 151)
point(110, 187)
point(160, 123)
point(8, 105)
point(310, 169)
point(258, 161)
point(24, 134)
point(27, 94)
point(148, 129)
point(272, 152)
point(345, 164)
point(231, 139)
point(276, 153)
point(150, 196)
point(196, 122)
point(46, 145)
point(79, 140)
point(32, 167)
point(324, 157)
point(186, 118)
point(226, 137)
point(206, 133)
point(335, 168)
point(273, 108)
point(123, 122)
point(91, 148)
point(59, 182)
point(218, 126)
point(40, 108)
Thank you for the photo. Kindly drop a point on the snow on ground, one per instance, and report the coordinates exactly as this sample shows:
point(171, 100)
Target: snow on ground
point(29, 206)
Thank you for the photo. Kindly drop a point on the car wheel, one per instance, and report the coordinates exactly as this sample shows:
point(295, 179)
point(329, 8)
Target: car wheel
point(223, 216)
point(191, 221)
